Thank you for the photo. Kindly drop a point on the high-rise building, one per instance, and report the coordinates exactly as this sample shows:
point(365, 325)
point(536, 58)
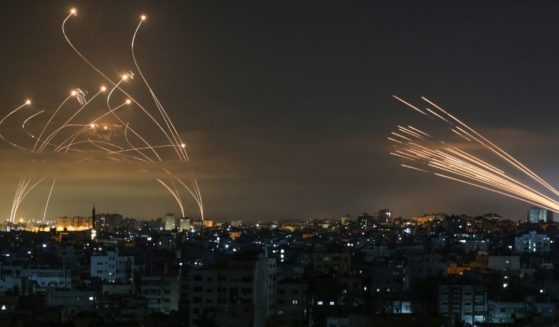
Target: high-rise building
point(291, 304)
point(325, 262)
point(162, 292)
point(170, 221)
point(184, 224)
point(463, 303)
point(532, 242)
point(536, 215)
point(108, 222)
point(93, 224)
point(345, 220)
point(365, 221)
point(384, 215)
point(93, 218)
point(112, 267)
point(239, 291)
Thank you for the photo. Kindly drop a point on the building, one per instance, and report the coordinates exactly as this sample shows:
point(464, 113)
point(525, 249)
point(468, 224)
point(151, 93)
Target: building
point(503, 262)
point(339, 322)
point(108, 222)
point(532, 242)
point(384, 215)
point(427, 218)
point(93, 218)
point(16, 285)
point(118, 289)
point(473, 245)
point(184, 224)
point(345, 220)
point(208, 223)
point(74, 224)
point(324, 262)
point(49, 278)
point(365, 221)
point(170, 222)
point(505, 312)
point(69, 256)
point(398, 307)
point(537, 215)
point(463, 303)
point(389, 278)
point(427, 266)
point(512, 312)
point(162, 293)
point(112, 267)
point(239, 291)
point(72, 301)
point(291, 304)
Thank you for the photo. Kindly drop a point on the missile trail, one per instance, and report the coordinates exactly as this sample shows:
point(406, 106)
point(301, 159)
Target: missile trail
point(430, 155)
point(69, 132)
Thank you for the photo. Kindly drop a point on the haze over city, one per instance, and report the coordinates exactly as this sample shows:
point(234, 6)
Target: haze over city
point(285, 108)
point(279, 164)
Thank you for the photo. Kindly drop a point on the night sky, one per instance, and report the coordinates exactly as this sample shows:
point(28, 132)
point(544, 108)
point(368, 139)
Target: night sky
point(286, 105)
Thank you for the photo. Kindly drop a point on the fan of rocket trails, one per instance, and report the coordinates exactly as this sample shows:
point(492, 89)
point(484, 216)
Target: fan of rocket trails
point(423, 152)
point(104, 132)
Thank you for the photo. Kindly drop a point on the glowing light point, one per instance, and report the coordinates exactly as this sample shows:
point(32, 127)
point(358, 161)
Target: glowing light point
point(105, 127)
point(183, 145)
point(92, 125)
point(74, 93)
point(128, 101)
point(74, 11)
point(27, 102)
point(143, 17)
point(125, 77)
point(103, 88)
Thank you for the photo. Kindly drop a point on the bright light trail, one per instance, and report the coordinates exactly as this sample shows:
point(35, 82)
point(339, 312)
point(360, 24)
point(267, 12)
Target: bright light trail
point(107, 134)
point(435, 156)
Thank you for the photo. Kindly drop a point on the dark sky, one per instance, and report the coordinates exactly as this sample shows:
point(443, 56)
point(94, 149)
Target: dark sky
point(286, 105)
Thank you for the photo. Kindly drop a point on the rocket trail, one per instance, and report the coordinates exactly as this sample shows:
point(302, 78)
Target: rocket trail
point(106, 135)
point(430, 155)
point(48, 199)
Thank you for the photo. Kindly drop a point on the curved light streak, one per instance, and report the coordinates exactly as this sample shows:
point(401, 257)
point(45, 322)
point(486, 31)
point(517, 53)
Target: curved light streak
point(452, 163)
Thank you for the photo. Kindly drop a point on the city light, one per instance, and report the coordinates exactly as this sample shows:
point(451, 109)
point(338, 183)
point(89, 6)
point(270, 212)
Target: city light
point(104, 221)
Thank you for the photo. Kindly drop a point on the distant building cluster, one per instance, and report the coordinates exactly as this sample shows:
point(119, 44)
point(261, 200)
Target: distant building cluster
point(73, 224)
point(536, 215)
point(366, 270)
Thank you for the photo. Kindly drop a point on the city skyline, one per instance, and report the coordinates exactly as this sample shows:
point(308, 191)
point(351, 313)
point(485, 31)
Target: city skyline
point(279, 164)
point(293, 126)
